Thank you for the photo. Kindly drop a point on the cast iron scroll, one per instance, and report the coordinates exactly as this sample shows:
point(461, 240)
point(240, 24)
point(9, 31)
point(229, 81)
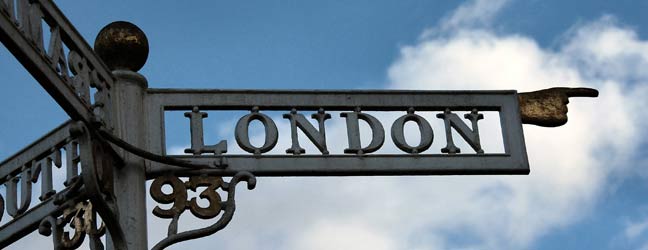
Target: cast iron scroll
point(180, 203)
point(97, 162)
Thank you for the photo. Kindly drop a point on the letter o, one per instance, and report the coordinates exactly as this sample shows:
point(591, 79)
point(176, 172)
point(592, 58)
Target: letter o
point(398, 135)
point(243, 138)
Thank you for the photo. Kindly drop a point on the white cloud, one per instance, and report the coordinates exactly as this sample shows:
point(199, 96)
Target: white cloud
point(570, 164)
point(632, 235)
point(633, 230)
point(320, 234)
point(473, 14)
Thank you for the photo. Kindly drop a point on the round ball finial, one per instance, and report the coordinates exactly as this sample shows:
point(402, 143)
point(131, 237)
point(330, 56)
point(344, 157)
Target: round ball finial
point(122, 45)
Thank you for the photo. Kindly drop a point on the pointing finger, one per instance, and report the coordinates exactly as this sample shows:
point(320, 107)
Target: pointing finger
point(581, 92)
point(578, 92)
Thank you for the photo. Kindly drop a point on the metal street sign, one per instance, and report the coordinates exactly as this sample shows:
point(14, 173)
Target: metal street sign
point(116, 110)
point(357, 107)
point(78, 80)
point(71, 147)
point(35, 162)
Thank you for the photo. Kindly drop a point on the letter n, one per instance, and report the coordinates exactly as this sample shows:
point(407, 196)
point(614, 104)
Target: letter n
point(317, 137)
point(471, 136)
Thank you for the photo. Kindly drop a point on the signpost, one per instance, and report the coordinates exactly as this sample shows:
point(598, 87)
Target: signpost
point(115, 140)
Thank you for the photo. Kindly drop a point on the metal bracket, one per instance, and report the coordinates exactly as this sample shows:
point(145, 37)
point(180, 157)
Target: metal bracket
point(181, 203)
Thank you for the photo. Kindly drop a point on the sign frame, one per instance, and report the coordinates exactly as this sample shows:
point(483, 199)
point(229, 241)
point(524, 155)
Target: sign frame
point(513, 161)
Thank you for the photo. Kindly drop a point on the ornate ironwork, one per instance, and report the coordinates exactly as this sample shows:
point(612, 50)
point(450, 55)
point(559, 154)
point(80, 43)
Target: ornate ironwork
point(180, 203)
point(83, 219)
point(72, 78)
point(98, 161)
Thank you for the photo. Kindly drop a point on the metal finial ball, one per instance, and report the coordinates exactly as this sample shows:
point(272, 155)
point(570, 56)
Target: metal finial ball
point(122, 45)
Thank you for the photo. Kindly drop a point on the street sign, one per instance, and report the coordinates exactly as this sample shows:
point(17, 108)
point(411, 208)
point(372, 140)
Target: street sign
point(357, 107)
point(68, 146)
point(33, 163)
point(101, 182)
point(78, 80)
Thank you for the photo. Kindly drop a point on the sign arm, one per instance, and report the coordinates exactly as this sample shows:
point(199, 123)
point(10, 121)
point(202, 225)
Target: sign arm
point(23, 37)
point(34, 61)
point(31, 165)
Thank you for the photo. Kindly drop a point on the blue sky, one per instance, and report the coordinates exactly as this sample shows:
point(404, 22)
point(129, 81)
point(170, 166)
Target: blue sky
point(588, 180)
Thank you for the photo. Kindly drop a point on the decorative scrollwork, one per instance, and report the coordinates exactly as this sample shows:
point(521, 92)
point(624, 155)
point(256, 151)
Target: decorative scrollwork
point(178, 197)
point(82, 218)
point(97, 162)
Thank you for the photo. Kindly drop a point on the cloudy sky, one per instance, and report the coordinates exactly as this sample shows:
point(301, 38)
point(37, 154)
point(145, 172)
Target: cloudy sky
point(587, 184)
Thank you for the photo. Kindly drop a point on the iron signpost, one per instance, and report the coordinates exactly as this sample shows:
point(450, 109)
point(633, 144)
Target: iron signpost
point(115, 140)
